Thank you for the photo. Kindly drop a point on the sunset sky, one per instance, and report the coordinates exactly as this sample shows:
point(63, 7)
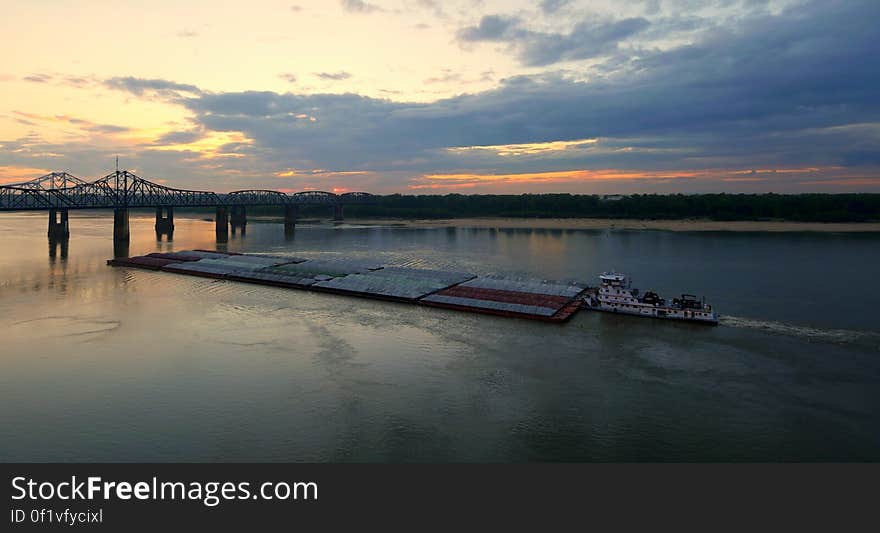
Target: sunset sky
point(425, 96)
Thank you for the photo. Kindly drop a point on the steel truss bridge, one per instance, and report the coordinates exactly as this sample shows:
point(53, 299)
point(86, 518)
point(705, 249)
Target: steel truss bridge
point(121, 190)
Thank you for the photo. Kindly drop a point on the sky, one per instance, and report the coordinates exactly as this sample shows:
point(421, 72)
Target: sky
point(435, 97)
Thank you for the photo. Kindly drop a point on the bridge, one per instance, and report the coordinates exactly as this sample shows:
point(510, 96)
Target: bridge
point(121, 190)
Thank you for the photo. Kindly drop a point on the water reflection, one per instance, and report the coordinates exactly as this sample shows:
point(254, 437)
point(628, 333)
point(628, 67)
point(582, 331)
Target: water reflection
point(58, 244)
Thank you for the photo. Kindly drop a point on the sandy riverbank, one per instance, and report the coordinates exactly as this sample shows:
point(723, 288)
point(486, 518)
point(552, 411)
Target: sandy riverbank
point(601, 223)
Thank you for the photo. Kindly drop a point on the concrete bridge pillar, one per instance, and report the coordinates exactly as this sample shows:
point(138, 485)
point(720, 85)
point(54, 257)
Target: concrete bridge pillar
point(120, 249)
point(337, 212)
point(222, 224)
point(120, 225)
point(238, 217)
point(164, 220)
point(290, 214)
point(59, 228)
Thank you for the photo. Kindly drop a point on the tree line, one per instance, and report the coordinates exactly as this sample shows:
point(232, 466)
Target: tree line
point(859, 207)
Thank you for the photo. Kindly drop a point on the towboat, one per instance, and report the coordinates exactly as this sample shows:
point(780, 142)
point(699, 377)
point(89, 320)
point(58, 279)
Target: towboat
point(616, 295)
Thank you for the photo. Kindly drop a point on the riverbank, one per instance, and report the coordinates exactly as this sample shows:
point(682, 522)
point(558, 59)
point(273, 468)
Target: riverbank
point(629, 224)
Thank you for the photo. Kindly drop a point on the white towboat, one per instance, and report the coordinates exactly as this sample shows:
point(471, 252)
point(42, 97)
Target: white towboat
point(615, 295)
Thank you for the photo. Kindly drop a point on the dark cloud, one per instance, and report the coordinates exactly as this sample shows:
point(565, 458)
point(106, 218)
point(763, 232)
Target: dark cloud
point(588, 39)
point(38, 78)
point(287, 76)
point(143, 86)
point(296, 8)
point(359, 6)
point(334, 76)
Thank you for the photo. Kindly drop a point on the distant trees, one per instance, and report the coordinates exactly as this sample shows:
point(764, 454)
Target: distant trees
point(795, 207)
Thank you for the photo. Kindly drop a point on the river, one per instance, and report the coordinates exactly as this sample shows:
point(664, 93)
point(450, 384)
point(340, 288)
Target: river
point(114, 364)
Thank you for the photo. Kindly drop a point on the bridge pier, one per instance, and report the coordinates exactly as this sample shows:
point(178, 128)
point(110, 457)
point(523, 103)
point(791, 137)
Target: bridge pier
point(120, 225)
point(221, 220)
point(290, 214)
point(164, 221)
point(238, 219)
point(58, 228)
point(120, 249)
point(337, 212)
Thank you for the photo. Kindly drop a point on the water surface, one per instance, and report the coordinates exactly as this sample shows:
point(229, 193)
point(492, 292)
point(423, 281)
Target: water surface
point(113, 364)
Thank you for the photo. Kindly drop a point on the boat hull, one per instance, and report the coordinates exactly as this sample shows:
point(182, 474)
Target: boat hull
point(663, 313)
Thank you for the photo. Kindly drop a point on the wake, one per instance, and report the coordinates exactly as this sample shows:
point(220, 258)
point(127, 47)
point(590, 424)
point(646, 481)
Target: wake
point(837, 336)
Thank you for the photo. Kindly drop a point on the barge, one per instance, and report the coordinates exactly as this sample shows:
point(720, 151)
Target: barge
point(549, 301)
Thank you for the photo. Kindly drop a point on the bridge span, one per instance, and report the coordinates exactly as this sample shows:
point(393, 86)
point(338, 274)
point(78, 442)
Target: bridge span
point(59, 192)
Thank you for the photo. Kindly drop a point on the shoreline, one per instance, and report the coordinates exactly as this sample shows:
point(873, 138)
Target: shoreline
point(629, 224)
point(694, 225)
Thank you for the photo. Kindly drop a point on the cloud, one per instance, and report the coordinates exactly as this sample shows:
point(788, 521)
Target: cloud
point(287, 76)
point(334, 76)
point(449, 76)
point(552, 6)
point(179, 137)
point(80, 82)
point(359, 6)
point(296, 8)
point(588, 39)
point(106, 128)
point(32, 119)
point(144, 86)
point(446, 76)
point(186, 34)
point(491, 28)
point(38, 78)
point(76, 81)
